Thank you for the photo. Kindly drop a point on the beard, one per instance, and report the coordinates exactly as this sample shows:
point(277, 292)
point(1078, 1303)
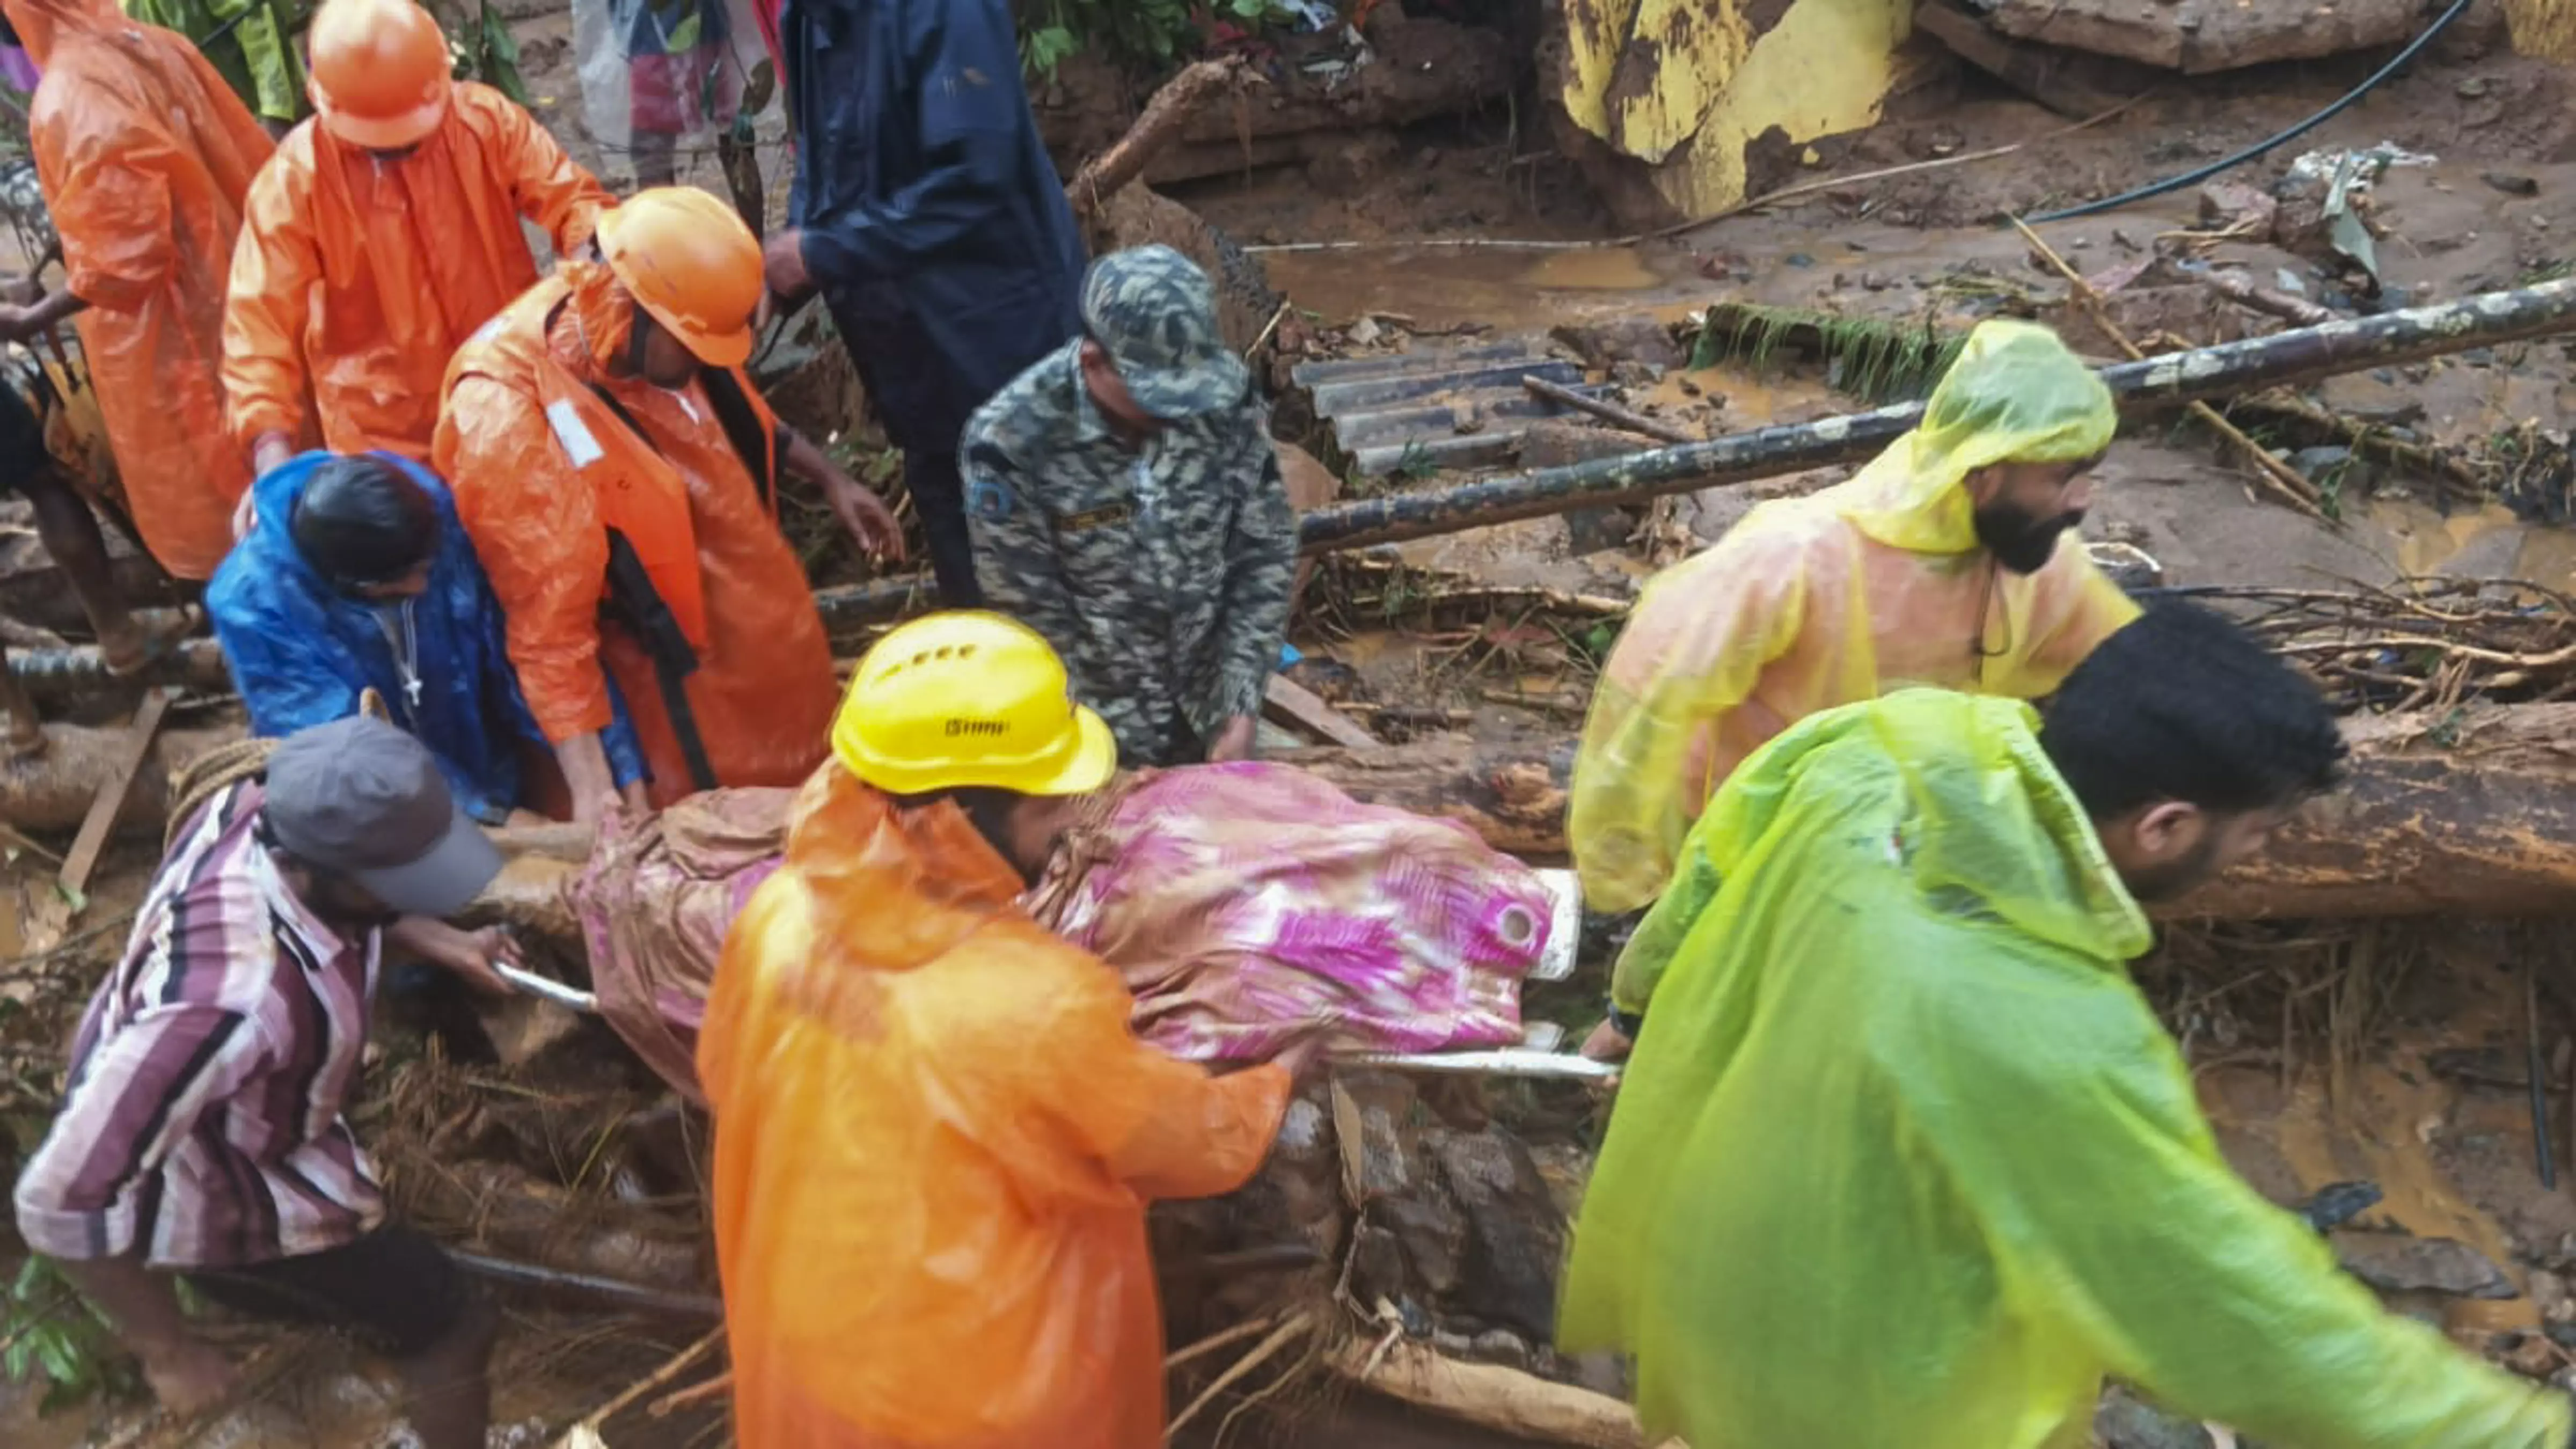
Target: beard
point(2018, 540)
point(2177, 877)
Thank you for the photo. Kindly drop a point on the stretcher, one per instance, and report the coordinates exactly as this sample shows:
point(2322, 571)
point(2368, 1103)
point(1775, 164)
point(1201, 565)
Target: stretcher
point(1537, 1057)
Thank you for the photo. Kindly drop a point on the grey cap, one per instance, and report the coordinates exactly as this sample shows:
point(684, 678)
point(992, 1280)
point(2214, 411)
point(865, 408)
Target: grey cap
point(1155, 313)
point(359, 798)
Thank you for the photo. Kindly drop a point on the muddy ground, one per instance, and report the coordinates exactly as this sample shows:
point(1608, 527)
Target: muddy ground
point(2326, 1054)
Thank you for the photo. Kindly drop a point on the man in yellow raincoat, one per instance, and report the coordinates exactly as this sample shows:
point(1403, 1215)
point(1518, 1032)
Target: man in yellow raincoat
point(386, 231)
point(935, 1133)
point(1950, 560)
point(145, 158)
point(1904, 1157)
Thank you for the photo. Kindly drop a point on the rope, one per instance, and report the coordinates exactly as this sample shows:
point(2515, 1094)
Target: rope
point(209, 775)
point(225, 766)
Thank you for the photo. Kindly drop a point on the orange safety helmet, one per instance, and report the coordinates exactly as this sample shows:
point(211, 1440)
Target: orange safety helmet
point(691, 264)
point(381, 73)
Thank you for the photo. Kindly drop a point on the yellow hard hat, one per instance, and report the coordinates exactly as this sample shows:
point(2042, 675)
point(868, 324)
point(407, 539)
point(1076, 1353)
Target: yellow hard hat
point(967, 698)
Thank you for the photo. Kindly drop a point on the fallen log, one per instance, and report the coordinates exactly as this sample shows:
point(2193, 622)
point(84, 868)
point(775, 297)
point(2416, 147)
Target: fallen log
point(2470, 813)
point(2467, 815)
point(2162, 381)
point(1157, 127)
point(1489, 1395)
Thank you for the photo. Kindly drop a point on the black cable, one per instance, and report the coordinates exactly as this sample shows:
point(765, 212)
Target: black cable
point(2176, 183)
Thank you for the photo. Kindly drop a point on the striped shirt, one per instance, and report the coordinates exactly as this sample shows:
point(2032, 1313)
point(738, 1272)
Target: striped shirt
point(202, 1127)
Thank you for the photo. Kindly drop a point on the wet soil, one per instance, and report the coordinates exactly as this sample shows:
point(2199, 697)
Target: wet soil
point(2296, 1111)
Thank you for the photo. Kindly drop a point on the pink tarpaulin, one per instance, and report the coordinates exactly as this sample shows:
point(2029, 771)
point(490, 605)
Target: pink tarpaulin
point(1251, 904)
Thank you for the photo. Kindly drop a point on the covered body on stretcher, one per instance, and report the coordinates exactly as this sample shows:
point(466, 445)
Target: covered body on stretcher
point(1246, 905)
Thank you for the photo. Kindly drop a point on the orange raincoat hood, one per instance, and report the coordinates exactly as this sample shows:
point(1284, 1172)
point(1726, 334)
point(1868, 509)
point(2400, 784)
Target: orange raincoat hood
point(40, 22)
point(935, 1139)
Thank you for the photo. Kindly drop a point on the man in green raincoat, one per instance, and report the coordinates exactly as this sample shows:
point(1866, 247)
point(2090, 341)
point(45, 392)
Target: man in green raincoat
point(1903, 1159)
point(250, 42)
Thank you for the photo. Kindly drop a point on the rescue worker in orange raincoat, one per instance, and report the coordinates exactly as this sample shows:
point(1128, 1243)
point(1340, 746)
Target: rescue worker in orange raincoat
point(935, 1133)
point(384, 233)
point(607, 452)
point(145, 156)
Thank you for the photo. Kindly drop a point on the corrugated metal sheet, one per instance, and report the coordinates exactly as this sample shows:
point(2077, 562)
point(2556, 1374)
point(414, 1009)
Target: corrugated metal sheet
point(1456, 407)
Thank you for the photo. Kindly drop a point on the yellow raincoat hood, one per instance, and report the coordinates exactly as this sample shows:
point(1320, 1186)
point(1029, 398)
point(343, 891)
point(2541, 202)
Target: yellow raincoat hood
point(2016, 395)
point(1839, 596)
point(1904, 1158)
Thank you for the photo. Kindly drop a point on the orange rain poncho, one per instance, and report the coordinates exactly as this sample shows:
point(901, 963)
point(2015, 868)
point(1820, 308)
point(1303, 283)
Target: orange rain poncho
point(1836, 597)
point(145, 156)
point(543, 467)
point(935, 1140)
point(358, 279)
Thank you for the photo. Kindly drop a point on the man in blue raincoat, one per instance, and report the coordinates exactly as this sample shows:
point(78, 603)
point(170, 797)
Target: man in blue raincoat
point(927, 213)
point(356, 576)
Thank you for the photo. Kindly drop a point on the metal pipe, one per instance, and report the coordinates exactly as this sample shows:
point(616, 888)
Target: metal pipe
point(2203, 373)
point(609, 1290)
point(53, 675)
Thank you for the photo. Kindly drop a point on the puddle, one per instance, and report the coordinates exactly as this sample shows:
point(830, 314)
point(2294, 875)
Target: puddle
point(1506, 289)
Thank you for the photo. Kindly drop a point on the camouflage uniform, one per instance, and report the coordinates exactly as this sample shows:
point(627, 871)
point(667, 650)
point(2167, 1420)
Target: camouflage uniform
point(1161, 572)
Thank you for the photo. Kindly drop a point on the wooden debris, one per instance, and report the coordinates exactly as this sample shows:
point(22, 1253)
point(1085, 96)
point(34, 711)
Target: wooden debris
point(692, 1397)
point(110, 800)
point(2240, 289)
point(1286, 702)
point(1298, 1325)
point(1223, 1338)
point(1156, 127)
point(2282, 480)
point(1608, 412)
point(1489, 1395)
point(587, 1431)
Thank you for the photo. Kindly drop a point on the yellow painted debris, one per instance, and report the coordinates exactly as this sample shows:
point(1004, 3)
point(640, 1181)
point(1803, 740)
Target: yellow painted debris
point(2543, 28)
point(1683, 84)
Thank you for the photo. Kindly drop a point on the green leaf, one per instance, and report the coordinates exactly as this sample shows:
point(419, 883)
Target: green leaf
point(497, 56)
point(54, 1350)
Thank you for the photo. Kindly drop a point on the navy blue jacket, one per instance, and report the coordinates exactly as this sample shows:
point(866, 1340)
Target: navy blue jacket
point(934, 221)
point(301, 650)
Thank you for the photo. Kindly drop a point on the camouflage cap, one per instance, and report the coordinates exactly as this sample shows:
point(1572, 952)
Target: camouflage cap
point(1155, 313)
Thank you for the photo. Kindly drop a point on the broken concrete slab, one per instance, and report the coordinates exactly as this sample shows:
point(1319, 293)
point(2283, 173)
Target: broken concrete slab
point(2200, 36)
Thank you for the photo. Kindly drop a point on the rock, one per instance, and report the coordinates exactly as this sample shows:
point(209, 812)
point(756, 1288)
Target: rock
point(2549, 1293)
point(2225, 203)
point(2511, 185)
point(1348, 168)
point(1515, 1242)
point(2398, 1263)
point(2200, 36)
point(2125, 1422)
point(1604, 345)
point(2338, 1203)
point(1498, 1346)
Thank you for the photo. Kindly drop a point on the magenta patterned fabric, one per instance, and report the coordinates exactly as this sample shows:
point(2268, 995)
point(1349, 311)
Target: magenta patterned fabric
point(1250, 905)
